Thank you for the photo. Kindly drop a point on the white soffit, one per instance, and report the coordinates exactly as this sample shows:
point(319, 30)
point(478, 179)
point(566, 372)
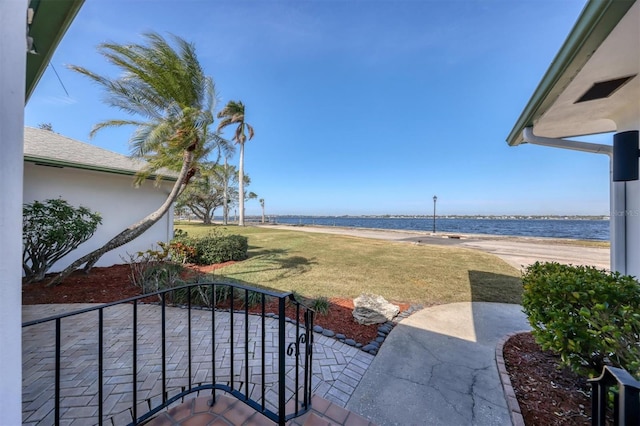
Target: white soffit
point(618, 56)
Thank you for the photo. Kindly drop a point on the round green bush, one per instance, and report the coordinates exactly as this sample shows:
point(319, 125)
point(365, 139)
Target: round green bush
point(590, 317)
point(218, 249)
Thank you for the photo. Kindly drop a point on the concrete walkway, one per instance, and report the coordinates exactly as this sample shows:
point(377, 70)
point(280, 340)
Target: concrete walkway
point(438, 367)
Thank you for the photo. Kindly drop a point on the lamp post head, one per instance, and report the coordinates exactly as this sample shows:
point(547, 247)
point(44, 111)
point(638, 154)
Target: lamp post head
point(435, 198)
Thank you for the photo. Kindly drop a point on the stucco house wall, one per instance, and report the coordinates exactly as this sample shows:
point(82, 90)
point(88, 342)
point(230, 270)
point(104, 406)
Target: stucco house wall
point(109, 192)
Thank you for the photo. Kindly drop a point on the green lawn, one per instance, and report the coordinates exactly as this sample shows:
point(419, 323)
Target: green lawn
point(343, 266)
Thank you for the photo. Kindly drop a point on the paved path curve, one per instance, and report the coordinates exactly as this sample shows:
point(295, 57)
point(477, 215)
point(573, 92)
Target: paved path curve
point(438, 367)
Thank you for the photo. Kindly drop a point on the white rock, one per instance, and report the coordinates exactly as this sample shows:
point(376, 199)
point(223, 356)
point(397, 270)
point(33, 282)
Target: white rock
point(373, 309)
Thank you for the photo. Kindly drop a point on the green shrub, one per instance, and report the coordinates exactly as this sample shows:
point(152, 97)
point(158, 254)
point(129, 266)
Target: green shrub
point(217, 249)
point(254, 298)
point(182, 247)
point(51, 230)
point(589, 317)
point(200, 296)
point(320, 305)
point(151, 271)
point(182, 252)
point(295, 297)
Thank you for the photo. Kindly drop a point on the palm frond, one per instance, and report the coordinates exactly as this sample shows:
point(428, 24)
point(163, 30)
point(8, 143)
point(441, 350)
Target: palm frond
point(163, 86)
point(233, 113)
point(112, 123)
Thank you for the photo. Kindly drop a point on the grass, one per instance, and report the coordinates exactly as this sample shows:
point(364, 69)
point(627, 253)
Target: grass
point(315, 265)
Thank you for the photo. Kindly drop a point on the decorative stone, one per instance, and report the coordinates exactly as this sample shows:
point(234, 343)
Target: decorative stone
point(384, 329)
point(373, 309)
point(368, 348)
point(340, 336)
point(328, 333)
point(350, 342)
point(358, 345)
point(317, 329)
point(380, 339)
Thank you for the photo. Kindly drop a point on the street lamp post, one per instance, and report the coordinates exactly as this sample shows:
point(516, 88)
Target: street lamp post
point(435, 198)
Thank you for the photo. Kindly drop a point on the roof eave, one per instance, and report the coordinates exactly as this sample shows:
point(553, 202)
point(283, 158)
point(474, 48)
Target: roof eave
point(597, 20)
point(60, 163)
point(50, 22)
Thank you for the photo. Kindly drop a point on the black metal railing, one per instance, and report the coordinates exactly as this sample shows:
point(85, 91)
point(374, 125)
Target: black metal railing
point(626, 404)
point(266, 362)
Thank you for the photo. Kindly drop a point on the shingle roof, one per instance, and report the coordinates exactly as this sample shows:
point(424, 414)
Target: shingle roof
point(50, 148)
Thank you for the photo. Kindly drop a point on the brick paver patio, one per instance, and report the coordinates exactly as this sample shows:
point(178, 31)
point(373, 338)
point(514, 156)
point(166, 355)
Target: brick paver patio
point(337, 367)
point(231, 412)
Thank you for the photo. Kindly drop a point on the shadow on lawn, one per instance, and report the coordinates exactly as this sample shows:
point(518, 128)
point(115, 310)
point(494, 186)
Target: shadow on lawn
point(491, 287)
point(264, 260)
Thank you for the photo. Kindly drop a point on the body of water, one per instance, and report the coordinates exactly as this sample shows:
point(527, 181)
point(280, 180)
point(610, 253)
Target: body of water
point(553, 228)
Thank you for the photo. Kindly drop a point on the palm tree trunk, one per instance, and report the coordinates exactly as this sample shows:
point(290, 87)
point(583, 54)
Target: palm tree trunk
point(241, 186)
point(134, 230)
point(225, 208)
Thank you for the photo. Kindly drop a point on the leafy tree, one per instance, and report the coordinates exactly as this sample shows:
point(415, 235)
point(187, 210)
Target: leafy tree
point(51, 230)
point(171, 101)
point(207, 191)
point(233, 113)
point(250, 195)
point(204, 194)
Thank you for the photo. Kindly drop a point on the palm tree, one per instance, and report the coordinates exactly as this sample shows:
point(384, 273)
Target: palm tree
point(225, 205)
point(172, 101)
point(262, 205)
point(233, 113)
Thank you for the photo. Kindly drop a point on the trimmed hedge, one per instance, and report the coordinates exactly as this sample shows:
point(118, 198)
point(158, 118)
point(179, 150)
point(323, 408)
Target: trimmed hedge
point(217, 249)
point(209, 249)
point(590, 317)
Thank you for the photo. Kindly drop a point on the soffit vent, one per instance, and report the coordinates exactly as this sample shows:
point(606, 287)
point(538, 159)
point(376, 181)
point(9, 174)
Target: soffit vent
point(604, 89)
point(49, 165)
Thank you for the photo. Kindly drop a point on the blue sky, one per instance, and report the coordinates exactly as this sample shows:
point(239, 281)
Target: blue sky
point(359, 107)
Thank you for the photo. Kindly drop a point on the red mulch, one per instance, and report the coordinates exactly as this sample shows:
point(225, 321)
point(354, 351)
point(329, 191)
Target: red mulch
point(101, 285)
point(110, 284)
point(548, 395)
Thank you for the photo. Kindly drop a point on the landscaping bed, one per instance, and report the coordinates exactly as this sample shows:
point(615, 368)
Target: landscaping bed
point(547, 394)
point(110, 284)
